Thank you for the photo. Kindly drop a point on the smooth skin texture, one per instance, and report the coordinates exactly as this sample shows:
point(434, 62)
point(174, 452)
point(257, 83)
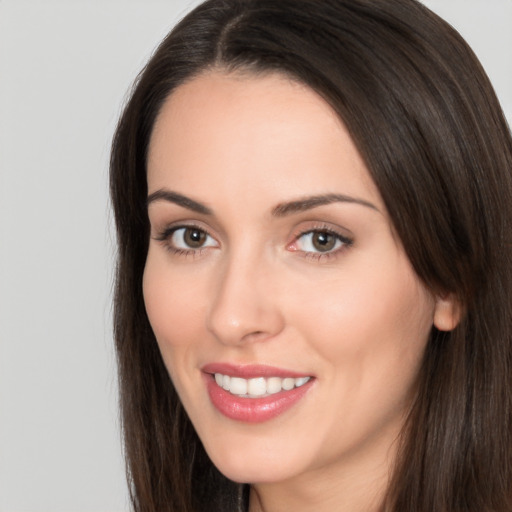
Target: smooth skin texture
point(327, 291)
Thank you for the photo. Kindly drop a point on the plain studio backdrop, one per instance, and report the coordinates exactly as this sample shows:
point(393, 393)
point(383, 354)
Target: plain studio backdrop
point(65, 68)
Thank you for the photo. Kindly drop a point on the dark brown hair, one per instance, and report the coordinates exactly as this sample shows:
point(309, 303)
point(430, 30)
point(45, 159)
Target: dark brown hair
point(427, 122)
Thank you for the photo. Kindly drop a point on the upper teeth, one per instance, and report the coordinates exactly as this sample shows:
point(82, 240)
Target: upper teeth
point(259, 386)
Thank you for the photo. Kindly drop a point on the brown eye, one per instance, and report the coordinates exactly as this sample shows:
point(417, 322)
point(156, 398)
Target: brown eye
point(323, 241)
point(194, 238)
point(190, 238)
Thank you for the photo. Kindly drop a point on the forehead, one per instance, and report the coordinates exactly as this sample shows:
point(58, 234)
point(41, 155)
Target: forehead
point(255, 132)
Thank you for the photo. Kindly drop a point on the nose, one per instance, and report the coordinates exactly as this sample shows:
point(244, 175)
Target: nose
point(245, 306)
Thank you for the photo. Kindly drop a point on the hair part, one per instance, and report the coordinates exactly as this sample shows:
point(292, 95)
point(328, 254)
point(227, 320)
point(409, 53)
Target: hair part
point(425, 119)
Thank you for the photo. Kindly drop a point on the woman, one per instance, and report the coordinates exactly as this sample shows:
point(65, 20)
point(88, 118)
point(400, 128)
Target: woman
point(313, 303)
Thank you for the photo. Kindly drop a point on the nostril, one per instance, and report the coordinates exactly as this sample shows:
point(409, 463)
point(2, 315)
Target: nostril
point(255, 336)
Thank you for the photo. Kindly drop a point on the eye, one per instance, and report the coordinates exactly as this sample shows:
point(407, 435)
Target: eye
point(187, 238)
point(318, 242)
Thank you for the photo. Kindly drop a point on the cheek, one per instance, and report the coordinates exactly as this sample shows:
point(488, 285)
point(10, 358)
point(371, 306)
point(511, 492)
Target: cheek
point(371, 328)
point(369, 316)
point(173, 304)
point(174, 309)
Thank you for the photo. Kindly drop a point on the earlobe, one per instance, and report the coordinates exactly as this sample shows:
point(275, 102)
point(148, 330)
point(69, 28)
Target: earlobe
point(447, 312)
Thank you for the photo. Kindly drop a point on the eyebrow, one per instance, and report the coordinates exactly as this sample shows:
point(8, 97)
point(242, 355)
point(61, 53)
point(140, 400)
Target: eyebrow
point(281, 210)
point(307, 203)
point(179, 199)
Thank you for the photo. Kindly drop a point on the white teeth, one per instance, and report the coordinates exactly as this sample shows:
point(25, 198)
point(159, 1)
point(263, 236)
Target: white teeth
point(288, 384)
point(301, 381)
point(274, 385)
point(238, 386)
point(258, 387)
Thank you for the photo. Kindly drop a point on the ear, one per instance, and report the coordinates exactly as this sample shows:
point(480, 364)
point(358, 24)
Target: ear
point(447, 312)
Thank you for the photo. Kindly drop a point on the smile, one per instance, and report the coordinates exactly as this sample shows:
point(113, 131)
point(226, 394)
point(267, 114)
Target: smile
point(258, 387)
point(254, 393)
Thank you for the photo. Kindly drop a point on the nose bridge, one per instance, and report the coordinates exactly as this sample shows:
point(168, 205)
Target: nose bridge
point(243, 307)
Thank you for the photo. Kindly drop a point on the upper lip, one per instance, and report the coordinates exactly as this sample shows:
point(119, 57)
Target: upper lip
point(251, 371)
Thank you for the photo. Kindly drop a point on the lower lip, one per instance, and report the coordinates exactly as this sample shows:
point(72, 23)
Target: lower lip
point(253, 410)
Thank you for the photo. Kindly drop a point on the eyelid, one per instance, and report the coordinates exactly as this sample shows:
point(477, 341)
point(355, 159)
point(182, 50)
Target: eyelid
point(162, 230)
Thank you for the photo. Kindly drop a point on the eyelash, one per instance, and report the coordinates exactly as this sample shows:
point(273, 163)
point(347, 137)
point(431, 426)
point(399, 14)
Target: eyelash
point(166, 235)
point(345, 242)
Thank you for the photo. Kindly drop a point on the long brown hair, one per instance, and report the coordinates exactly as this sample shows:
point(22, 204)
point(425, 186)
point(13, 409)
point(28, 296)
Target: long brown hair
point(427, 122)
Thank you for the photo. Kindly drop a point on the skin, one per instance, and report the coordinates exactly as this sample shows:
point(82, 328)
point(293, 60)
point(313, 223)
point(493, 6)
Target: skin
point(356, 318)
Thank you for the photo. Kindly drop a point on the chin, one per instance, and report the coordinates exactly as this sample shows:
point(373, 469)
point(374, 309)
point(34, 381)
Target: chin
point(257, 460)
point(254, 473)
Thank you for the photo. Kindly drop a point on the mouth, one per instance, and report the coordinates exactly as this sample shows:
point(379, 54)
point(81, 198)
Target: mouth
point(254, 394)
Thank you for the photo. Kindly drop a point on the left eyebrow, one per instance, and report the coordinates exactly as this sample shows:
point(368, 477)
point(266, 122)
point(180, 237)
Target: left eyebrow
point(307, 203)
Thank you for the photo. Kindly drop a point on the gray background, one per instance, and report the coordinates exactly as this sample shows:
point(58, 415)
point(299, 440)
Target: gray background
point(65, 68)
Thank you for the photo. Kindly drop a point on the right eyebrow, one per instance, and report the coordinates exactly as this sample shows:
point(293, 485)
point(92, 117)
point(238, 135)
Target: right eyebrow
point(179, 199)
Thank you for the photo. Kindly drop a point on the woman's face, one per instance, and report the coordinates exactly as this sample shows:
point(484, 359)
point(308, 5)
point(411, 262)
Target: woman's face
point(273, 271)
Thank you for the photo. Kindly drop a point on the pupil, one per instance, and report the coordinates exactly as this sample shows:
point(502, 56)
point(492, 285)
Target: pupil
point(194, 237)
point(323, 241)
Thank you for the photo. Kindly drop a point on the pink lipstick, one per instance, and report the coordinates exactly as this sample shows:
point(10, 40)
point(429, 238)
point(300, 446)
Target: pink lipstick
point(254, 393)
